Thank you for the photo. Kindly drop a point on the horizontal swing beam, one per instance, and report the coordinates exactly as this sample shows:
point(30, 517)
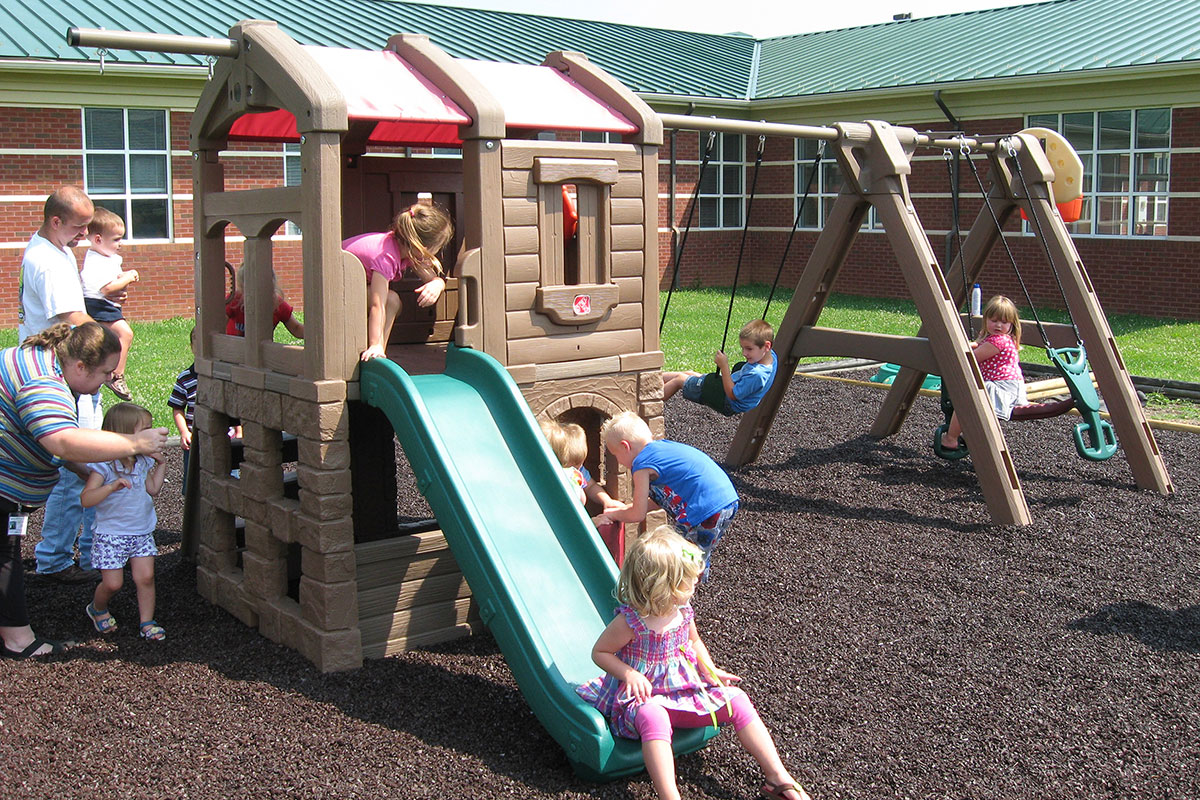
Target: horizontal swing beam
point(152, 42)
point(691, 122)
point(909, 351)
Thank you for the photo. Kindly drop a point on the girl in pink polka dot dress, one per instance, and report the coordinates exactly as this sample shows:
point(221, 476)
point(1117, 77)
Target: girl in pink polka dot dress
point(996, 351)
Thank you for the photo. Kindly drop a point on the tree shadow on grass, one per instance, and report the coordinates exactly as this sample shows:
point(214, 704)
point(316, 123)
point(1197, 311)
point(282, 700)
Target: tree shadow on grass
point(1171, 630)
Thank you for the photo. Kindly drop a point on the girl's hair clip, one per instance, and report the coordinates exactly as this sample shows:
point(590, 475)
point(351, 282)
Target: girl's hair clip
point(691, 552)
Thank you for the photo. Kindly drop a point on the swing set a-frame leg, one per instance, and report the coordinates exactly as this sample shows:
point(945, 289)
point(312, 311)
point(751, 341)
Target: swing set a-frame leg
point(1113, 379)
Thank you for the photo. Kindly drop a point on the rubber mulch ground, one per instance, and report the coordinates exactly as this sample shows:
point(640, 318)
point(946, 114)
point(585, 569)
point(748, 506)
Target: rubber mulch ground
point(896, 643)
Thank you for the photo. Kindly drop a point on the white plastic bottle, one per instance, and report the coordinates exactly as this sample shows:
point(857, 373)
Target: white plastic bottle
point(976, 300)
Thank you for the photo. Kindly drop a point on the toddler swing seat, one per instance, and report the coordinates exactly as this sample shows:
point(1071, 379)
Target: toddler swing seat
point(1071, 363)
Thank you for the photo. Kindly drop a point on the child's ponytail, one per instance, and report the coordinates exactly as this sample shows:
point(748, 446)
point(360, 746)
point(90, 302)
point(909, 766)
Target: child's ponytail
point(424, 229)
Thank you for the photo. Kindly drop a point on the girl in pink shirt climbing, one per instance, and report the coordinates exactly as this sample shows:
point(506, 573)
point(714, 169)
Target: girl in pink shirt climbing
point(416, 236)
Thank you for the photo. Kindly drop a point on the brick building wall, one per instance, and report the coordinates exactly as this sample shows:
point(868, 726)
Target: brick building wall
point(1152, 276)
point(166, 286)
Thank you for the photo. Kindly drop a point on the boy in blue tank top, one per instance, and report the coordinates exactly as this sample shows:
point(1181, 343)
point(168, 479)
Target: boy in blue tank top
point(695, 492)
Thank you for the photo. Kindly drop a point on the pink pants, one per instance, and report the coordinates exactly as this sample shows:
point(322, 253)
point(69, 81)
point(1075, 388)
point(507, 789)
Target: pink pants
point(654, 722)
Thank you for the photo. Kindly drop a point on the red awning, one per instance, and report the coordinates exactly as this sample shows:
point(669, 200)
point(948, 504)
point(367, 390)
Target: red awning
point(410, 110)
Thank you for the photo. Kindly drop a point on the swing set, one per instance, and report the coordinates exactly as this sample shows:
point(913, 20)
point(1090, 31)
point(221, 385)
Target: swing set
point(875, 160)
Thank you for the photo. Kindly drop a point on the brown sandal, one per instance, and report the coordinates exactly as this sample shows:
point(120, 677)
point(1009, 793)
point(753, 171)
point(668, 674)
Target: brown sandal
point(776, 791)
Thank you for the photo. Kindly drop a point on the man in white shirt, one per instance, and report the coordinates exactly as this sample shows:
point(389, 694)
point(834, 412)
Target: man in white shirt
point(51, 293)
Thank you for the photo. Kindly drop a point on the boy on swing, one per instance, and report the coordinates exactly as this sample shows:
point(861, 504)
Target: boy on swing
point(731, 391)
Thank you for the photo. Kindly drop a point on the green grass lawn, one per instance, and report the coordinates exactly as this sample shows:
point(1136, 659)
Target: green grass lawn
point(1151, 347)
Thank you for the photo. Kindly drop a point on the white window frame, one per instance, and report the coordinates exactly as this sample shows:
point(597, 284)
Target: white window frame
point(291, 158)
point(1137, 201)
point(599, 137)
point(825, 186)
point(128, 196)
point(720, 170)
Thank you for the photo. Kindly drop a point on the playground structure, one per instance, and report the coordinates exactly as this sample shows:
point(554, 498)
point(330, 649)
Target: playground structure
point(533, 323)
point(527, 300)
point(534, 320)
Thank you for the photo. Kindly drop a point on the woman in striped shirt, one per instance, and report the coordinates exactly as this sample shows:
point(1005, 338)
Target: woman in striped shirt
point(39, 381)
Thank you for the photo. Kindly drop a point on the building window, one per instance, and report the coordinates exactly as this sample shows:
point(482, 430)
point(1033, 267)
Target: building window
point(1126, 168)
point(600, 137)
point(127, 167)
point(291, 177)
point(825, 186)
point(721, 195)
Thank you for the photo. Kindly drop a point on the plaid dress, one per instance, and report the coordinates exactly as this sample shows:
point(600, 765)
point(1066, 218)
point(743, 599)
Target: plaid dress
point(669, 663)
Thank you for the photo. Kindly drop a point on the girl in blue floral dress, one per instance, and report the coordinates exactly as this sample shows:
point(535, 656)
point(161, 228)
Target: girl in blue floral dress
point(659, 674)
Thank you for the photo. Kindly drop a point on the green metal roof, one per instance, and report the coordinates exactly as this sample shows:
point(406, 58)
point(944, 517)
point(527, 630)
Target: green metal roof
point(645, 59)
point(1038, 39)
point(1042, 38)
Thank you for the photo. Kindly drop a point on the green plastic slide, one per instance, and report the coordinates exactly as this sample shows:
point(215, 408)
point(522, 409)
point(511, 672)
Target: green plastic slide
point(536, 565)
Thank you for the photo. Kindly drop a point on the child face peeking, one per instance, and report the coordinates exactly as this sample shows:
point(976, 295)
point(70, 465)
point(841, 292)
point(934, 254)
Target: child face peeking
point(754, 353)
point(107, 243)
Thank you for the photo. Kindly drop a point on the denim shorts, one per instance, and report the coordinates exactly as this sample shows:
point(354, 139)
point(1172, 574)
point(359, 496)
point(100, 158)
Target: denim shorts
point(114, 552)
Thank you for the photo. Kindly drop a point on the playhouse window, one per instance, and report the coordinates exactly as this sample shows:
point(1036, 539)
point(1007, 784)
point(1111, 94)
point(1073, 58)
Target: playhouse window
point(1126, 158)
point(825, 186)
point(127, 167)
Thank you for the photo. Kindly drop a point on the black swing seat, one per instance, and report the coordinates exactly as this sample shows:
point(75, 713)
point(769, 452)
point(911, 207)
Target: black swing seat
point(712, 391)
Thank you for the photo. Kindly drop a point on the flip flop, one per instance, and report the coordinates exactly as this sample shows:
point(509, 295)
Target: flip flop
point(56, 648)
point(101, 620)
point(776, 791)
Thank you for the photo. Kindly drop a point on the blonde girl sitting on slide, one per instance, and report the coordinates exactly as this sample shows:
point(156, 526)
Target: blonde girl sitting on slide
point(417, 235)
point(996, 350)
point(658, 673)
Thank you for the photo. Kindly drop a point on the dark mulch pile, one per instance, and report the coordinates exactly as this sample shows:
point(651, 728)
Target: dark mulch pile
point(896, 643)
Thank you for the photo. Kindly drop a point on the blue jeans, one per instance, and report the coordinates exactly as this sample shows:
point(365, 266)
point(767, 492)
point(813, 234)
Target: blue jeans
point(64, 514)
